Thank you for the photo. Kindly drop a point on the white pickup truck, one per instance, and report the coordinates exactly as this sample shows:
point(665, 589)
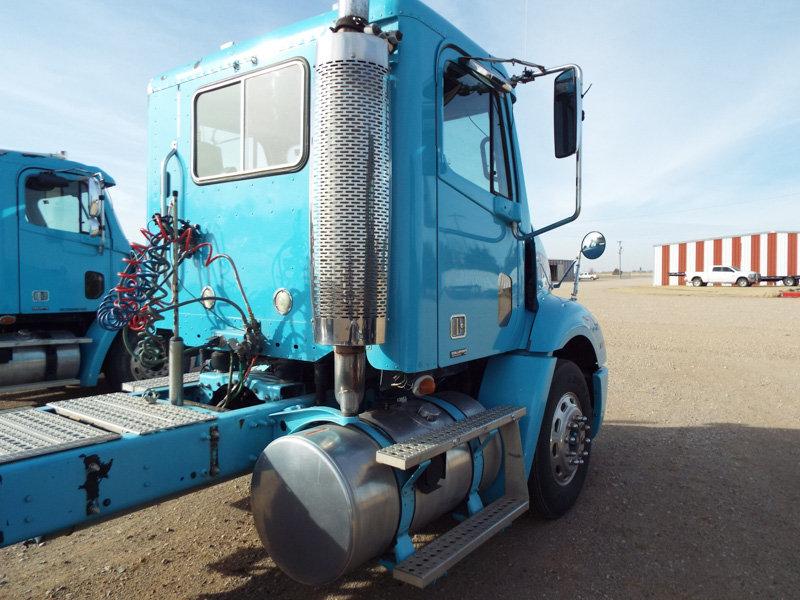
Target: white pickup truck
point(722, 274)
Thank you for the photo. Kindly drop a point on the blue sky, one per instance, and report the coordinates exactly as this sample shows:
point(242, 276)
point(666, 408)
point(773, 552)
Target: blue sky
point(692, 126)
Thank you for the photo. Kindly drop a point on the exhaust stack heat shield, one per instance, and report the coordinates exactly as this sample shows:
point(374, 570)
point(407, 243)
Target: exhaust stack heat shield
point(350, 189)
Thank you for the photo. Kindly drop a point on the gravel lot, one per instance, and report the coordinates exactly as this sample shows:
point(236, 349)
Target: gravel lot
point(694, 488)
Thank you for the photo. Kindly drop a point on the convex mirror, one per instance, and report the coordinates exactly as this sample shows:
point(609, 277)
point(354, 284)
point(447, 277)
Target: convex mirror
point(593, 245)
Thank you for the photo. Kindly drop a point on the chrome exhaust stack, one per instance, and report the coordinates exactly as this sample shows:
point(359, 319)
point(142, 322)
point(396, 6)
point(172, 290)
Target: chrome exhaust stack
point(351, 202)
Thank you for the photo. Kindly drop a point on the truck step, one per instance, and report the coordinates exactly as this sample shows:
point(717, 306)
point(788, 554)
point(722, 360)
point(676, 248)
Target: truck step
point(421, 448)
point(433, 560)
point(32, 432)
point(123, 413)
point(156, 383)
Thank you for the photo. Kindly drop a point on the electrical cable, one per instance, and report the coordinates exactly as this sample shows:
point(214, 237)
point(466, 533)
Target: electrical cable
point(140, 297)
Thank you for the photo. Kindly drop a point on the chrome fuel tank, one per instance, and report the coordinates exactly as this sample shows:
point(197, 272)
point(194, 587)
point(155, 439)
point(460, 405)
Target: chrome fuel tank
point(323, 506)
point(31, 359)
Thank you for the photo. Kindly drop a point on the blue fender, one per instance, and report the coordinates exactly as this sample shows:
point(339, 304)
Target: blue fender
point(523, 378)
point(558, 321)
point(93, 355)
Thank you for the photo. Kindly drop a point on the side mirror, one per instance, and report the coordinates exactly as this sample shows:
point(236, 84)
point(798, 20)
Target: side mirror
point(593, 245)
point(94, 208)
point(94, 227)
point(95, 197)
point(567, 112)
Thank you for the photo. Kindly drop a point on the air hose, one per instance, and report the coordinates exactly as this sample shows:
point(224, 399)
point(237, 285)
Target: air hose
point(140, 297)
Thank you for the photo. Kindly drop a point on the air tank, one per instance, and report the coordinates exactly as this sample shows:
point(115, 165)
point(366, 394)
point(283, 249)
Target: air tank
point(323, 506)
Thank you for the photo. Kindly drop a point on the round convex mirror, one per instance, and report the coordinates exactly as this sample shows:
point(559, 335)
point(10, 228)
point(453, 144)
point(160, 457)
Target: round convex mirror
point(594, 244)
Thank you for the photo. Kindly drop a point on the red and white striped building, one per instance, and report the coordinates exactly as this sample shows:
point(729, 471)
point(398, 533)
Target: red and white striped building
point(773, 253)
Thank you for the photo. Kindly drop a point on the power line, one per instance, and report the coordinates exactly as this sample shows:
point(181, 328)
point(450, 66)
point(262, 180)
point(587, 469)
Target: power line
point(696, 208)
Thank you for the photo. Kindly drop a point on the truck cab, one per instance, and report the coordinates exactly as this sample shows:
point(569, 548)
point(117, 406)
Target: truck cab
point(61, 248)
point(341, 225)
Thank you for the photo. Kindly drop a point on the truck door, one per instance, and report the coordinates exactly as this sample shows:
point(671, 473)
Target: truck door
point(479, 262)
point(61, 262)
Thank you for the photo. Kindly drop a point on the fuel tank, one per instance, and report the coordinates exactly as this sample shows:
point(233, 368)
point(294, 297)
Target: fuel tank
point(323, 506)
point(31, 358)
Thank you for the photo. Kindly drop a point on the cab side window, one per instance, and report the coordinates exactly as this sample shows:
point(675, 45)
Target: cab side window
point(61, 207)
point(256, 124)
point(474, 136)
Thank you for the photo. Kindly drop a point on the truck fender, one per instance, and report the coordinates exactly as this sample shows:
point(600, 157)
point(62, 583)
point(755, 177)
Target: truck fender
point(93, 355)
point(562, 329)
point(558, 321)
point(566, 329)
point(522, 379)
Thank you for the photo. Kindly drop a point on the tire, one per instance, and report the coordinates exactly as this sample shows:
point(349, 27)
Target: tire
point(742, 282)
point(789, 281)
point(121, 367)
point(554, 488)
point(697, 282)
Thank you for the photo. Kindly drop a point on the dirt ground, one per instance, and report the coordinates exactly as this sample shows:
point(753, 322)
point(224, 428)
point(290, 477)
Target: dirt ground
point(693, 491)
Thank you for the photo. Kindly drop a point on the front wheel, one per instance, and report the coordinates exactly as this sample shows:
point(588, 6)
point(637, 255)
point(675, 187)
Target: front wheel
point(562, 451)
point(697, 282)
point(742, 282)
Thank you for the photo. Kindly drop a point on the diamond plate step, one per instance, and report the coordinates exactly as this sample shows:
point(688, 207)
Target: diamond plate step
point(128, 414)
point(419, 449)
point(32, 432)
point(142, 385)
point(433, 560)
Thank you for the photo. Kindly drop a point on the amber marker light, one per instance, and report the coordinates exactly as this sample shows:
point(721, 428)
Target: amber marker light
point(424, 386)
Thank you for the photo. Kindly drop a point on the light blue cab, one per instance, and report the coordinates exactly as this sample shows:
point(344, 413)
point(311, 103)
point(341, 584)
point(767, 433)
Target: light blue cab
point(474, 337)
point(60, 249)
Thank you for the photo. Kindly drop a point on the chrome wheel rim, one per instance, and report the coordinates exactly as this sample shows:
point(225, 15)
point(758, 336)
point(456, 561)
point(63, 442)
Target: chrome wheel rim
point(569, 441)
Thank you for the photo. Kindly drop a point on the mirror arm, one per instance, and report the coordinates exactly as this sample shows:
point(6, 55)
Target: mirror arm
point(523, 237)
point(555, 286)
point(574, 295)
point(528, 75)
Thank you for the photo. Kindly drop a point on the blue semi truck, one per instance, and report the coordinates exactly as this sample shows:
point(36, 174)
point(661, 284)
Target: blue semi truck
point(341, 225)
point(60, 248)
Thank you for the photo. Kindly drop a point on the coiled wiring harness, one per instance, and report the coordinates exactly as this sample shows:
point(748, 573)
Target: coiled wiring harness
point(142, 294)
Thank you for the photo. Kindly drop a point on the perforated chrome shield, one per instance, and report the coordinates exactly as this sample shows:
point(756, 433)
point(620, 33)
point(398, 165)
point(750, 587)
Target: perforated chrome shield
point(350, 190)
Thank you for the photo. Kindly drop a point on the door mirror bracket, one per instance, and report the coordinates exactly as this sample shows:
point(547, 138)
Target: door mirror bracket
point(567, 117)
point(592, 247)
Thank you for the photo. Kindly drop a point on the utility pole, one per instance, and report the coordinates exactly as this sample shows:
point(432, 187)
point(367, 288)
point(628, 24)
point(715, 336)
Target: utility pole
point(619, 251)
